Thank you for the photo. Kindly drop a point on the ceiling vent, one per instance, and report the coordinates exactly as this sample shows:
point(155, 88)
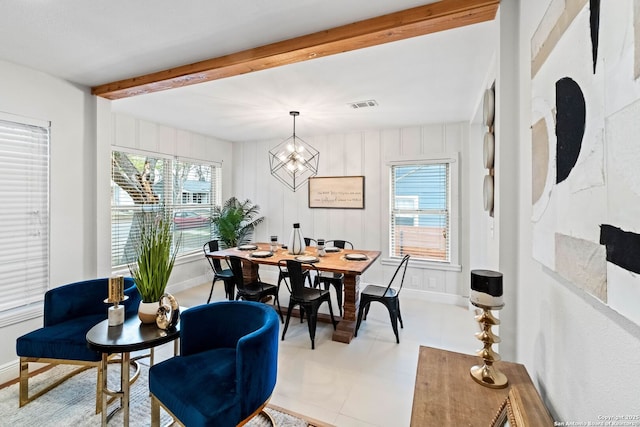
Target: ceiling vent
point(363, 104)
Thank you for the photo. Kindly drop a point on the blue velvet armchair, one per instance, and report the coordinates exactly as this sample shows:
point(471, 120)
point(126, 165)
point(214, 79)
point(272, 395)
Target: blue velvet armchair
point(69, 312)
point(226, 371)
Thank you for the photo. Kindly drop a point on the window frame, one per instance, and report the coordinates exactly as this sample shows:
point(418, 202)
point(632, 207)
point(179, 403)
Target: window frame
point(33, 299)
point(453, 160)
point(171, 207)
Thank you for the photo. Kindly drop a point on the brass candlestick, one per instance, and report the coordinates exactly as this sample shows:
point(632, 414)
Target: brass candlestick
point(487, 374)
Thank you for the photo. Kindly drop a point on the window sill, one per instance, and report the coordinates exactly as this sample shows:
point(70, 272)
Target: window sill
point(21, 314)
point(427, 265)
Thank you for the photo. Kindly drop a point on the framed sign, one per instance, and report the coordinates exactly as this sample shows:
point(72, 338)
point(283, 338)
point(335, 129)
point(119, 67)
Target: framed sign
point(336, 192)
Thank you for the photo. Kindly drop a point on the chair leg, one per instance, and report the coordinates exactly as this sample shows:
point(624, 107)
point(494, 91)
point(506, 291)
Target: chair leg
point(286, 324)
point(24, 382)
point(360, 312)
point(399, 314)
point(155, 412)
point(213, 282)
point(311, 323)
point(393, 315)
point(338, 287)
point(277, 302)
point(333, 321)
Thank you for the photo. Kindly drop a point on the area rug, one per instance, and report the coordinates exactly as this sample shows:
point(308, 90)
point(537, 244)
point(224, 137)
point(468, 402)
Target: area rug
point(73, 404)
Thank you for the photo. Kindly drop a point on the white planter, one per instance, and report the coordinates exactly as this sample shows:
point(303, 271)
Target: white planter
point(147, 311)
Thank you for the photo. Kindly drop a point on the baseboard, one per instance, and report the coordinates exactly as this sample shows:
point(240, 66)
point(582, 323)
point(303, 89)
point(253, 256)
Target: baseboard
point(437, 297)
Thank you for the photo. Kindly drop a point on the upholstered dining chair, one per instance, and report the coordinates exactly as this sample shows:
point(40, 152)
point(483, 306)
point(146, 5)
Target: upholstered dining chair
point(388, 296)
point(226, 275)
point(69, 312)
point(227, 367)
point(252, 291)
point(308, 299)
point(334, 279)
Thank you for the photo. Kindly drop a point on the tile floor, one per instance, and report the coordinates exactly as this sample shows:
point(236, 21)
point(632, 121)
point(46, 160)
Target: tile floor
point(368, 382)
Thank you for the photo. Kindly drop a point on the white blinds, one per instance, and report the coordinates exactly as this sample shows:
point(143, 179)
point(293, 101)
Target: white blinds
point(24, 213)
point(420, 211)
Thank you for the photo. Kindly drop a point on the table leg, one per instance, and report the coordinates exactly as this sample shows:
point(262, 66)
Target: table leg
point(347, 326)
point(125, 386)
point(104, 397)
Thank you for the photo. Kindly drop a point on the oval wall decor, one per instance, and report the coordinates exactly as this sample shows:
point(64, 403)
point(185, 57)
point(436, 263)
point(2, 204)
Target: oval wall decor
point(488, 150)
point(487, 193)
point(488, 109)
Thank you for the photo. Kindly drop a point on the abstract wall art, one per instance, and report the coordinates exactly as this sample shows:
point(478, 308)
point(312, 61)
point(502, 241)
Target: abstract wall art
point(585, 126)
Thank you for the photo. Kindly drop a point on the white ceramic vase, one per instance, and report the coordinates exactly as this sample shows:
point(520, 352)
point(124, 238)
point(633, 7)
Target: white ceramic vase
point(147, 311)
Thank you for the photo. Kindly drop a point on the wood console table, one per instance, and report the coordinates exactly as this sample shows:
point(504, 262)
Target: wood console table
point(445, 394)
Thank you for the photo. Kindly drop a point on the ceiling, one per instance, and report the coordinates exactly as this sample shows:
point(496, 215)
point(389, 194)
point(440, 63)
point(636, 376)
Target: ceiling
point(427, 79)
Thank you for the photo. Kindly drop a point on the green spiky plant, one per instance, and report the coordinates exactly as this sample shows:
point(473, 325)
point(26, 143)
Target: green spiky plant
point(235, 221)
point(154, 257)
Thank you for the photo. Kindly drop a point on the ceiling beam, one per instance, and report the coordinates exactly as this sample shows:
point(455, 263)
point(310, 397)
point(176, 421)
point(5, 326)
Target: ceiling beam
point(417, 21)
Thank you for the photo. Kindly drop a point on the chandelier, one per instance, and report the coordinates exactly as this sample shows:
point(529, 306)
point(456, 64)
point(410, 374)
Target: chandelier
point(293, 161)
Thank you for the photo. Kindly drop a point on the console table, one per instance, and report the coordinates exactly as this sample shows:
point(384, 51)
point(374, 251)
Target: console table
point(445, 394)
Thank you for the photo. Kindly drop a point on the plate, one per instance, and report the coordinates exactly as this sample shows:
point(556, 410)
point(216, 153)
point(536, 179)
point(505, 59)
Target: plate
point(488, 108)
point(487, 193)
point(247, 247)
point(261, 254)
point(356, 257)
point(332, 249)
point(307, 259)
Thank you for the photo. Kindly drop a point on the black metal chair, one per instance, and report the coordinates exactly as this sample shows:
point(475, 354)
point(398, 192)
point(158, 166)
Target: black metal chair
point(308, 299)
point(283, 271)
point(226, 275)
point(334, 279)
point(252, 291)
point(386, 295)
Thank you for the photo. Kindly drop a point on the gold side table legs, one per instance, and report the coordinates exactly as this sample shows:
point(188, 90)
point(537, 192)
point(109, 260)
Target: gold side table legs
point(487, 374)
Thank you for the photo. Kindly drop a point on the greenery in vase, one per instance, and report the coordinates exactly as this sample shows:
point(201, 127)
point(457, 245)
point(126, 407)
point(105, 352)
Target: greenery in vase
point(235, 221)
point(154, 257)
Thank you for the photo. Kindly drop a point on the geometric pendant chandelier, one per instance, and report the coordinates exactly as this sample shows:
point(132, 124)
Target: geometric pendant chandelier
point(293, 161)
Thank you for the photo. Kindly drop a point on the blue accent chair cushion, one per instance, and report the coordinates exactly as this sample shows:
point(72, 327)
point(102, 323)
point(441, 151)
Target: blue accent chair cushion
point(227, 366)
point(69, 312)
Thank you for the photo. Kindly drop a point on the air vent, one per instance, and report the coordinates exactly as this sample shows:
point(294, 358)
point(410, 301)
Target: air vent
point(363, 104)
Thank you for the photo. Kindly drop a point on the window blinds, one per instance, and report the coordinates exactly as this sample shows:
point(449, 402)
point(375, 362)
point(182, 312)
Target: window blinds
point(24, 213)
point(420, 211)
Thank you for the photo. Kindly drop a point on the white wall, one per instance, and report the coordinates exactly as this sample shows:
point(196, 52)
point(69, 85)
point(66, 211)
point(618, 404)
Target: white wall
point(365, 153)
point(581, 353)
point(73, 238)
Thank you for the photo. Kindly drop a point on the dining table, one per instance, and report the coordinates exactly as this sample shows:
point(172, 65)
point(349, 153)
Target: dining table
point(349, 262)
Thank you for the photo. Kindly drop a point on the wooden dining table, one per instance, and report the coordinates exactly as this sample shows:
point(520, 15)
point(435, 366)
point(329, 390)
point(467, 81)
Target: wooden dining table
point(335, 262)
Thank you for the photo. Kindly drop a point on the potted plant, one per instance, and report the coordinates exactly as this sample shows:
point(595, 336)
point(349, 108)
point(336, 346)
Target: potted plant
point(154, 263)
point(235, 221)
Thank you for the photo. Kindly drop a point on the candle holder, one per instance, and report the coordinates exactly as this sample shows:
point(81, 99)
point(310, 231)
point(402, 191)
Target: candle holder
point(115, 313)
point(486, 294)
point(487, 374)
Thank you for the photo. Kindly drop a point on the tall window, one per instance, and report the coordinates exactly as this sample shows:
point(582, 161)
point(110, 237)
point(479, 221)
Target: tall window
point(420, 211)
point(24, 213)
point(183, 190)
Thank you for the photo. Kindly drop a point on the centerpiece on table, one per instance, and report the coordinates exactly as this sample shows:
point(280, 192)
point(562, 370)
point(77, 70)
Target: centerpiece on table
point(155, 257)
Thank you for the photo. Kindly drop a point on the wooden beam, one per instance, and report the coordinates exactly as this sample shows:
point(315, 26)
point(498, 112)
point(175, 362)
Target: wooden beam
point(417, 21)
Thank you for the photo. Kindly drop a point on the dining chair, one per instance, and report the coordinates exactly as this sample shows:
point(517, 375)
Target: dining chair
point(227, 368)
point(388, 296)
point(308, 299)
point(226, 275)
point(252, 291)
point(334, 279)
point(283, 271)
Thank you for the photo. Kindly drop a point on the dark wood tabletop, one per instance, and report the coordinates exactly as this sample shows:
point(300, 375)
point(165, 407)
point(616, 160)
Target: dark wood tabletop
point(132, 335)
